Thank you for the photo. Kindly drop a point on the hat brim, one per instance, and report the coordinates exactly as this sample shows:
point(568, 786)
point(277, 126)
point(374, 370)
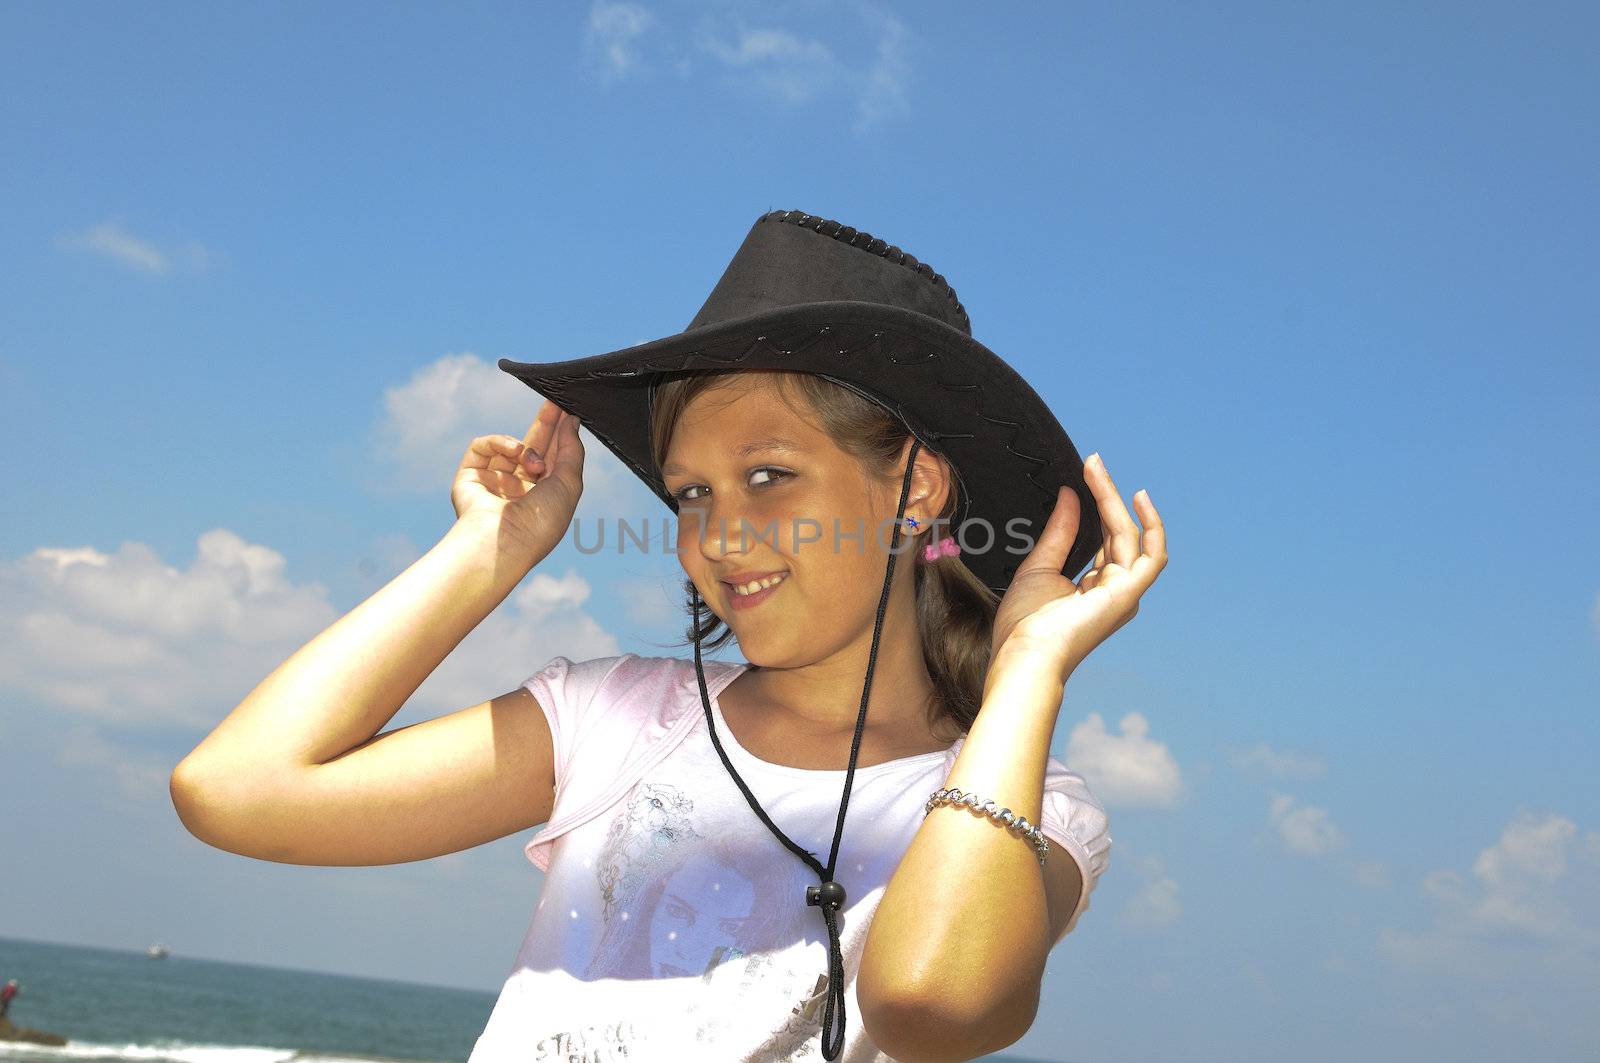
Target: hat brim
point(957, 397)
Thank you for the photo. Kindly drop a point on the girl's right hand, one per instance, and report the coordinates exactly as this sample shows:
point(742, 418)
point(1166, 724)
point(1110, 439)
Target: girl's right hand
point(526, 490)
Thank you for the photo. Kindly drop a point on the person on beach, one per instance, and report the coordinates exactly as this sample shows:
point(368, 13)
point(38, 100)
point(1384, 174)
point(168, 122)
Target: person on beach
point(913, 558)
point(8, 993)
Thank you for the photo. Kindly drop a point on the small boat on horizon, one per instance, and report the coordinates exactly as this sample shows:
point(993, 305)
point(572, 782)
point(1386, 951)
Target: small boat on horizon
point(157, 952)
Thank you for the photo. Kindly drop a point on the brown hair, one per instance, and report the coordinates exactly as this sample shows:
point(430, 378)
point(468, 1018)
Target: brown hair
point(955, 610)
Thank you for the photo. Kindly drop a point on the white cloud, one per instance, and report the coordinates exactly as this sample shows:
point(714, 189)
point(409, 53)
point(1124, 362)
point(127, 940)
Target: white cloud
point(112, 240)
point(1305, 829)
point(760, 45)
point(1524, 901)
point(1277, 763)
point(883, 90)
point(797, 68)
point(429, 421)
point(869, 65)
point(612, 37)
point(1128, 769)
point(544, 594)
point(1157, 904)
point(791, 67)
point(126, 639)
point(1530, 848)
point(546, 617)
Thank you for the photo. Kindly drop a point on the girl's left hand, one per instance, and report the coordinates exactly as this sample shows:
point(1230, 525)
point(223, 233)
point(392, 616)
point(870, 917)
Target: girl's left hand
point(1045, 619)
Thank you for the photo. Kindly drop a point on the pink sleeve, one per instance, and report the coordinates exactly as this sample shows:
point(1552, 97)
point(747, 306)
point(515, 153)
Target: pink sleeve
point(1075, 820)
point(566, 691)
point(610, 718)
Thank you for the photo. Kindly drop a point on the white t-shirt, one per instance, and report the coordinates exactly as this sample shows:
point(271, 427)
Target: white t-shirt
point(672, 923)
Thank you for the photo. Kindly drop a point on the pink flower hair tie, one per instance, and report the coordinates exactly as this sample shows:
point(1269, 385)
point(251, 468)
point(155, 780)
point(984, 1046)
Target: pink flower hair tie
point(944, 547)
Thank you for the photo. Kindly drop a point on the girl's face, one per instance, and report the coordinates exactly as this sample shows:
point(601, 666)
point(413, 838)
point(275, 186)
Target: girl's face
point(706, 905)
point(761, 489)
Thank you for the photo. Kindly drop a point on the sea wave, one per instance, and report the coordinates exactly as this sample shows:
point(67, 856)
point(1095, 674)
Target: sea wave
point(180, 1052)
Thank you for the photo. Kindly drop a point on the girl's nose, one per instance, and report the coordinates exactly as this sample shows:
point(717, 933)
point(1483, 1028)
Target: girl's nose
point(731, 529)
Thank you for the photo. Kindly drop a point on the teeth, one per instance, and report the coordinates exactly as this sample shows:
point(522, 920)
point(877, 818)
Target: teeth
point(759, 585)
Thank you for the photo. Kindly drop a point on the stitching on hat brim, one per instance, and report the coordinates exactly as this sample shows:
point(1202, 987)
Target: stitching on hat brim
point(939, 344)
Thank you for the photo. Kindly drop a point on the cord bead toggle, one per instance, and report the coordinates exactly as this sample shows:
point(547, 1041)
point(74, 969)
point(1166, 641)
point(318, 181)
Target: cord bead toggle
point(830, 894)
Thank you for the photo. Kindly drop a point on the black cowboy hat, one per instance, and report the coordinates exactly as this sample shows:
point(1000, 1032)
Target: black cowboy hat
point(807, 294)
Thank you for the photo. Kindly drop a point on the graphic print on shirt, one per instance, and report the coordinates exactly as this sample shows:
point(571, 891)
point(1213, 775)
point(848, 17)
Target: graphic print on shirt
point(680, 901)
point(639, 840)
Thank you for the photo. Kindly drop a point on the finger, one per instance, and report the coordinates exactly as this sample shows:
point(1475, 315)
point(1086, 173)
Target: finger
point(496, 452)
point(566, 450)
point(1153, 554)
point(1049, 554)
point(501, 455)
point(543, 430)
point(1122, 534)
point(505, 485)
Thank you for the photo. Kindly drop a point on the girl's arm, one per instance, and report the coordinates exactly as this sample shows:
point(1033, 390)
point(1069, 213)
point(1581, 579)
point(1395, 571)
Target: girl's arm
point(295, 774)
point(956, 951)
point(955, 954)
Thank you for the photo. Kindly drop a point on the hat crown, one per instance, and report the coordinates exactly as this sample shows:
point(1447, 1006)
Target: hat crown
point(790, 258)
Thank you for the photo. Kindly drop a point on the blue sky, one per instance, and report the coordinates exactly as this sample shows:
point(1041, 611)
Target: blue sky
point(1313, 275)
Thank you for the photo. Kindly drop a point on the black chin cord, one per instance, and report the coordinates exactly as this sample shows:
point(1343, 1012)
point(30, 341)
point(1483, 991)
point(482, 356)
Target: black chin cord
point(829, 896)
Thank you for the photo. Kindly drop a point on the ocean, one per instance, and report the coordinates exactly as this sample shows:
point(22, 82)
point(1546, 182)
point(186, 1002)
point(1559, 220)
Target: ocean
point(116, 1006)
point(113, 1005)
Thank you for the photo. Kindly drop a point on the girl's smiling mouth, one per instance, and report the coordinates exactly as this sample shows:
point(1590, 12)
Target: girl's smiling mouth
point(752, 592)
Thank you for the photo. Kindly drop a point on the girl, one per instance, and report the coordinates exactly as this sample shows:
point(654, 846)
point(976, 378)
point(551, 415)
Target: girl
point(786, 426)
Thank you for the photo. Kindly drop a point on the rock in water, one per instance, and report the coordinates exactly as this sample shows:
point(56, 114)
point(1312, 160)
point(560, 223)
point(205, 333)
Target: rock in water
point(12, 1032)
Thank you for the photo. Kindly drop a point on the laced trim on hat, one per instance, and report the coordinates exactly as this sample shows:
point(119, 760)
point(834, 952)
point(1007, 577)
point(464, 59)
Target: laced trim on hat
point(872, 244)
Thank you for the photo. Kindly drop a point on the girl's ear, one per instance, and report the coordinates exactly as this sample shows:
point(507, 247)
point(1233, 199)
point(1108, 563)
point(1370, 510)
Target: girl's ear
point(931, 483)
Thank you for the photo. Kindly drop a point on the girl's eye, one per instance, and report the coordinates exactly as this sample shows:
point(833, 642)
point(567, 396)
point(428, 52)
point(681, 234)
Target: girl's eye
point(682, 494)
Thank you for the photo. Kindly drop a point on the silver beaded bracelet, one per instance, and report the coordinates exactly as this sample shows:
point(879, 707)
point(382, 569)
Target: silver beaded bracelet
point(1002, 815)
